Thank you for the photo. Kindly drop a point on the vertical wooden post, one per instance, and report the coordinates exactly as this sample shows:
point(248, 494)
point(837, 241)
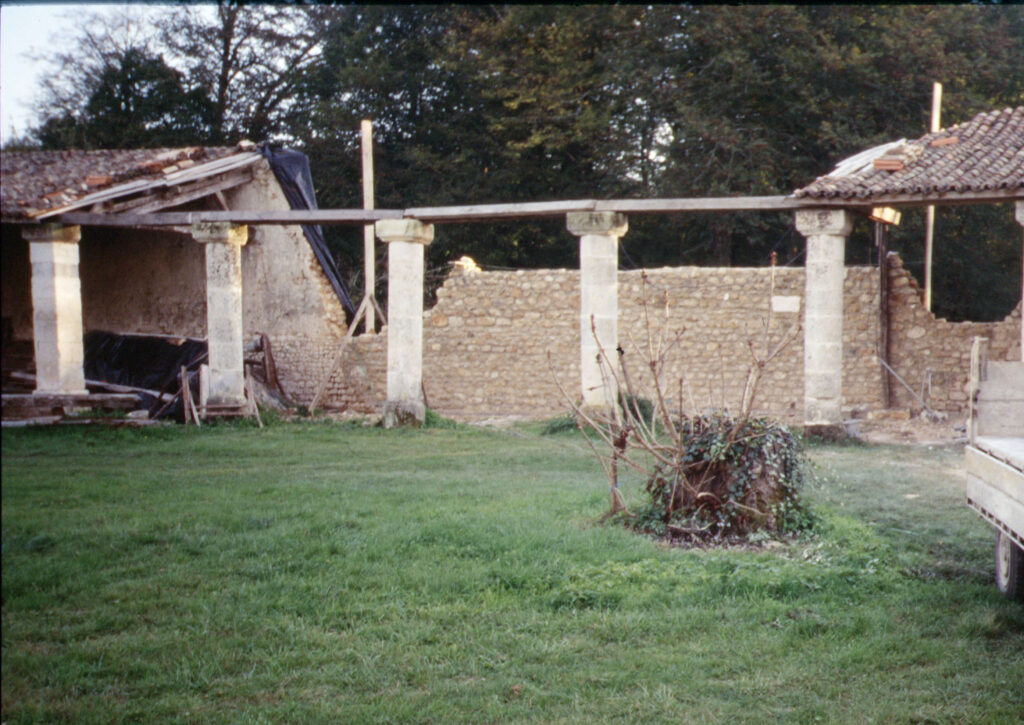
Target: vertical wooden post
point(929, 212)
point(883, 309)
point(1018, 212)
point(369, 262)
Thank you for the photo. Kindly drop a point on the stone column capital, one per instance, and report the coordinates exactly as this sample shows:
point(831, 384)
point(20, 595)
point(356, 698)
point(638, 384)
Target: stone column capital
point(605, 223)
point(220, 233)
point(1019, 212)
point(835, 222)
point(411, 231)
point(54, 233)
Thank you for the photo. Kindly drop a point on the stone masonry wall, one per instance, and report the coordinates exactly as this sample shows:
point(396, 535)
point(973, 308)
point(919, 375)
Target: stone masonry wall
point(933, 356)
point(495, 342)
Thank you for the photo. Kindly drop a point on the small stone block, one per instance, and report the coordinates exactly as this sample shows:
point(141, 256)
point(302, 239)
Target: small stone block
point(412, 231)
point(606, 223)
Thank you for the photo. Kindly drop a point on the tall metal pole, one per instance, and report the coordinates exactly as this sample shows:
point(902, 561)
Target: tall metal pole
point(929, 213)
point(369, 270)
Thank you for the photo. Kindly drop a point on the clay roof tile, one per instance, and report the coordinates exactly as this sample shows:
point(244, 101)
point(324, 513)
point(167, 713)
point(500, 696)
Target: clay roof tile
point(988, 154)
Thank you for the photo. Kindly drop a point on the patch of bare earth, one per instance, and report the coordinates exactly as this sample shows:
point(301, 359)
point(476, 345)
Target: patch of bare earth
point(914, 431)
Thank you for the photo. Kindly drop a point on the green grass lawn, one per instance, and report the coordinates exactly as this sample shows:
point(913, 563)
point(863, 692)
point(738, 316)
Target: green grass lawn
point(315, 572)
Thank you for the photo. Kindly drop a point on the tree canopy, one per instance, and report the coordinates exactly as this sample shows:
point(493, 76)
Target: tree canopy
point(476, 104)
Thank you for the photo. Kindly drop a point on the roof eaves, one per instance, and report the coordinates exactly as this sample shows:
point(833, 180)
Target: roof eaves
point(175, 178)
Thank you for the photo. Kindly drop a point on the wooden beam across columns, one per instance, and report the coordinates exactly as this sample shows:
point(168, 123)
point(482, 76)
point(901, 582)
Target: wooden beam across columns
point(537, 210)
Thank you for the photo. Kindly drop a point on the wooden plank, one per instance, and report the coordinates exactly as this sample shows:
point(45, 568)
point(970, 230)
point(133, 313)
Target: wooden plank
point(176, 195)
point(321, 389)
point(999, 418)
point(998, 408)
point(997, 474)
point(995, 504)
point(369, 242)
point(533, 210)
point(1008, 450)
point(112, 387)
point(720, 204)
point(490, 212)
point(236, 216)
point(91, 400)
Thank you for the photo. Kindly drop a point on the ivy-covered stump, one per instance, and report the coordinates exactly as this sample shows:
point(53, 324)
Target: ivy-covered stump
point(728, 480)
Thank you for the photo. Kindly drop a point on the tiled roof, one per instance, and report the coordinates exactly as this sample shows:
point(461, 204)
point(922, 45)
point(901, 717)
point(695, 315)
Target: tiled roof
point(34, 182)
point(983, 154)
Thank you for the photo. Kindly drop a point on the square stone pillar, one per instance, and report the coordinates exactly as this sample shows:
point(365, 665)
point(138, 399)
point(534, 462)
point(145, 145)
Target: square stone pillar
point(406, 240)
point(599, 234)
point(223, 244)
point(826, 232)
point(56, 308)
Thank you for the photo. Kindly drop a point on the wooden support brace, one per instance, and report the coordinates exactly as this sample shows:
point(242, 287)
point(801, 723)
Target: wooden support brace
point(322, 388)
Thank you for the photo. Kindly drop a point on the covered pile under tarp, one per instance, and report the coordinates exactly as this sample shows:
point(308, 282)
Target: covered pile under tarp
point(291, 168)
point(147, 362)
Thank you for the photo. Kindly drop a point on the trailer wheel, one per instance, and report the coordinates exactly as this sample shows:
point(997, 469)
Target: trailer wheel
point(1009, 567)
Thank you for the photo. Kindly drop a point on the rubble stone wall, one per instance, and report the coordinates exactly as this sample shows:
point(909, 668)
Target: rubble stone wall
point(933, 356)
point(496, 342)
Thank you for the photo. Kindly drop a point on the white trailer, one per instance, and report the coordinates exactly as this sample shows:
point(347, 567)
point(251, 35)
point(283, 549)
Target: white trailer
point(995, 460)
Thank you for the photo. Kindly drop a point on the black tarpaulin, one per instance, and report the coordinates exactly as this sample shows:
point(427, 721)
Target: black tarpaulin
point(291, 168)
point(140, 361)
point(143, 361)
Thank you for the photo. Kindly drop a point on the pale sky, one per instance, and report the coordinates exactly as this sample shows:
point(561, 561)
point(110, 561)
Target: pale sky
point(30, 28)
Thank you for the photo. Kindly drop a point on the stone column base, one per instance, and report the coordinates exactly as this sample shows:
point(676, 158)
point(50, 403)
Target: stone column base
point(404, 414)
point(829, 432)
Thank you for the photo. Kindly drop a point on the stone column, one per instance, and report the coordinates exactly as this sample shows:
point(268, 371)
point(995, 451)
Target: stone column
point(826, 233)
point(223, 242)
point(599, 234)
point(56, 308)
point(406, 240)
point(1019, 214)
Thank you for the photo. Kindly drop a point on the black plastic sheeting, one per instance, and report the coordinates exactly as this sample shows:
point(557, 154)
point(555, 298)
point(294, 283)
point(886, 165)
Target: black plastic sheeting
point(141, 361)
point(291, 168)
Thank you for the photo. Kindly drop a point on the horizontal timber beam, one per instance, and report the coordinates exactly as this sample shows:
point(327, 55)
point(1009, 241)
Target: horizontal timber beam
point(493, 212)
point(533, 210)
point(354, 217)
point(719, 204)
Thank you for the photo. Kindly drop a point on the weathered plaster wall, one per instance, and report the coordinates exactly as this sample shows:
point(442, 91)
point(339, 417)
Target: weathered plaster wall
point(147, 282)
point(488, 341)
point(285, 292)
